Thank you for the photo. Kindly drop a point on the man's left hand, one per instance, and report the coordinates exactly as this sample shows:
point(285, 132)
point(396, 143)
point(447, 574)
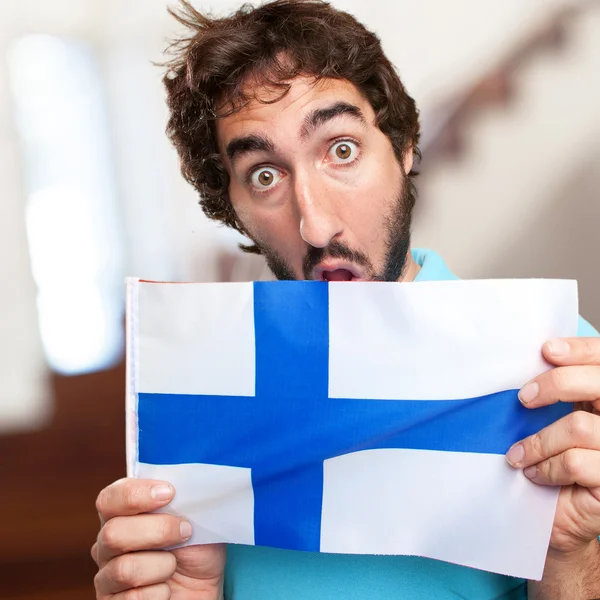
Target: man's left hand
point(567, 453)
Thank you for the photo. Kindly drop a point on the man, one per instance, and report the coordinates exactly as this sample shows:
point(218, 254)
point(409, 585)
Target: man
point(295, 130)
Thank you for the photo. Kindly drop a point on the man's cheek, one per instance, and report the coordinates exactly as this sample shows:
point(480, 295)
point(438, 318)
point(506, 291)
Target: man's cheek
point(251, 225)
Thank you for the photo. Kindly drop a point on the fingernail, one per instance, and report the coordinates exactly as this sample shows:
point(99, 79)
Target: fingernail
point(185, 530)
point(530, 472)
point(515, 454)
point(558, 348)
point(162, 491)
point(529, 392)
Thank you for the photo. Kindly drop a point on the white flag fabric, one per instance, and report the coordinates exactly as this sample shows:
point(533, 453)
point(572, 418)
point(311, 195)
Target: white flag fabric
point(366, 418)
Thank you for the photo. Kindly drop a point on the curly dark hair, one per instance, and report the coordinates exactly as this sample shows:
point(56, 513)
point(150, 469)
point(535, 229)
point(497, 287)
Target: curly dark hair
point(270, 45)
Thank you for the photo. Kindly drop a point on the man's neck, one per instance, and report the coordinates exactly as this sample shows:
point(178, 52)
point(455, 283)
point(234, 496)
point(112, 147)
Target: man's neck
point(411, 268)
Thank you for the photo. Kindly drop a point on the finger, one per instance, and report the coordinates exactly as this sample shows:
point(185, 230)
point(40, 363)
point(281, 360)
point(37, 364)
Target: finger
point(573, 351)
point(94, 552)
point(160, 591)
point(121, 535)
point(132, 496)
point(135, 570)
point(579, 429)
point(562, 384)
point(576, 465)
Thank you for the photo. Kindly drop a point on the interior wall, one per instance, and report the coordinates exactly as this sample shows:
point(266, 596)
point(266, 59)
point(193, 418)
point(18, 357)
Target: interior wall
point(522, 199)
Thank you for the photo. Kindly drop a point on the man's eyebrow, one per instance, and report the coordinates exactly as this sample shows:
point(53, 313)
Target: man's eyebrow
point(320, 116)
point(239, 146)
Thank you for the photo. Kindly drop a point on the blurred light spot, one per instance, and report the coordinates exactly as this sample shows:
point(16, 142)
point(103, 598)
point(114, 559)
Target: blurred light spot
point(73, 227)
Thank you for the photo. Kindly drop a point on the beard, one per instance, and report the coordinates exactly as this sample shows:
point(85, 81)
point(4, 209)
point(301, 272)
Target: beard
point(397, 228)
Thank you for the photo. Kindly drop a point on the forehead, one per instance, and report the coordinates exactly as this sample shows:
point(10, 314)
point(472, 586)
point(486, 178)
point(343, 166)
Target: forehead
point(262, 115)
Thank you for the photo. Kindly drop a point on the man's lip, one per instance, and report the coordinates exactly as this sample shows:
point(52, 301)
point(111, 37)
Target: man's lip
point(319, 270)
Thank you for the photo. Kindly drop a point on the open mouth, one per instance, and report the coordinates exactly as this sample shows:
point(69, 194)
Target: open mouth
point(338, 271)
point(338, 275)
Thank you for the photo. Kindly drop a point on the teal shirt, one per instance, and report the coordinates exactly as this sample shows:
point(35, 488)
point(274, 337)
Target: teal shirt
point(258, 573)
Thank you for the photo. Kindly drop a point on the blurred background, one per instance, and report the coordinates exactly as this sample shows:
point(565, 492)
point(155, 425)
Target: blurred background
point(509, 94)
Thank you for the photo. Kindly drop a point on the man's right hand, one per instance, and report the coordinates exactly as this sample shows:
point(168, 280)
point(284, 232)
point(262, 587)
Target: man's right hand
point(129, 550)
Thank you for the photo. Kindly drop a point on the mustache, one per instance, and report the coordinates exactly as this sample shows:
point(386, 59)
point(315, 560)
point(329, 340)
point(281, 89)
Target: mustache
point(335, 249)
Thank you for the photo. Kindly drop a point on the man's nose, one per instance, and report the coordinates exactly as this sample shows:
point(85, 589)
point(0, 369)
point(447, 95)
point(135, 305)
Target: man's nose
point(319, 221)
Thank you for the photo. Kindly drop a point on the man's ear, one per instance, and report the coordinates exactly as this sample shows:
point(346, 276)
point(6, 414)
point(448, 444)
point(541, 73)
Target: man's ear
point(408, 160)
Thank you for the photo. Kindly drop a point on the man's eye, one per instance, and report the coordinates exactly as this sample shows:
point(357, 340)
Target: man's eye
point(344, 151)
point(264, 178)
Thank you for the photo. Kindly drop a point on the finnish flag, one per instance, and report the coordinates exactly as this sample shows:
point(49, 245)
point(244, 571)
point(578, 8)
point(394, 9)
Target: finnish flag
point(367, 418)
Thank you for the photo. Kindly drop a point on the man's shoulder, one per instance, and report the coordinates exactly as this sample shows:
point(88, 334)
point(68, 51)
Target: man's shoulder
point(433, 268)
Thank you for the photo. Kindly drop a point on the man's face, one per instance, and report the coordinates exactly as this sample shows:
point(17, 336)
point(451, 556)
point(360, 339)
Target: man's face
point(317, 185)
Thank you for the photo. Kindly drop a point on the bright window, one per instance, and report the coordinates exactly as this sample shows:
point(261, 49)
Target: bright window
point(73, 226)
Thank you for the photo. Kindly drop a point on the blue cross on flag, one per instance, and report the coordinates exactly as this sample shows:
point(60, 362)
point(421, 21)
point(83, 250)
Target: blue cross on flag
point(367, 418)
